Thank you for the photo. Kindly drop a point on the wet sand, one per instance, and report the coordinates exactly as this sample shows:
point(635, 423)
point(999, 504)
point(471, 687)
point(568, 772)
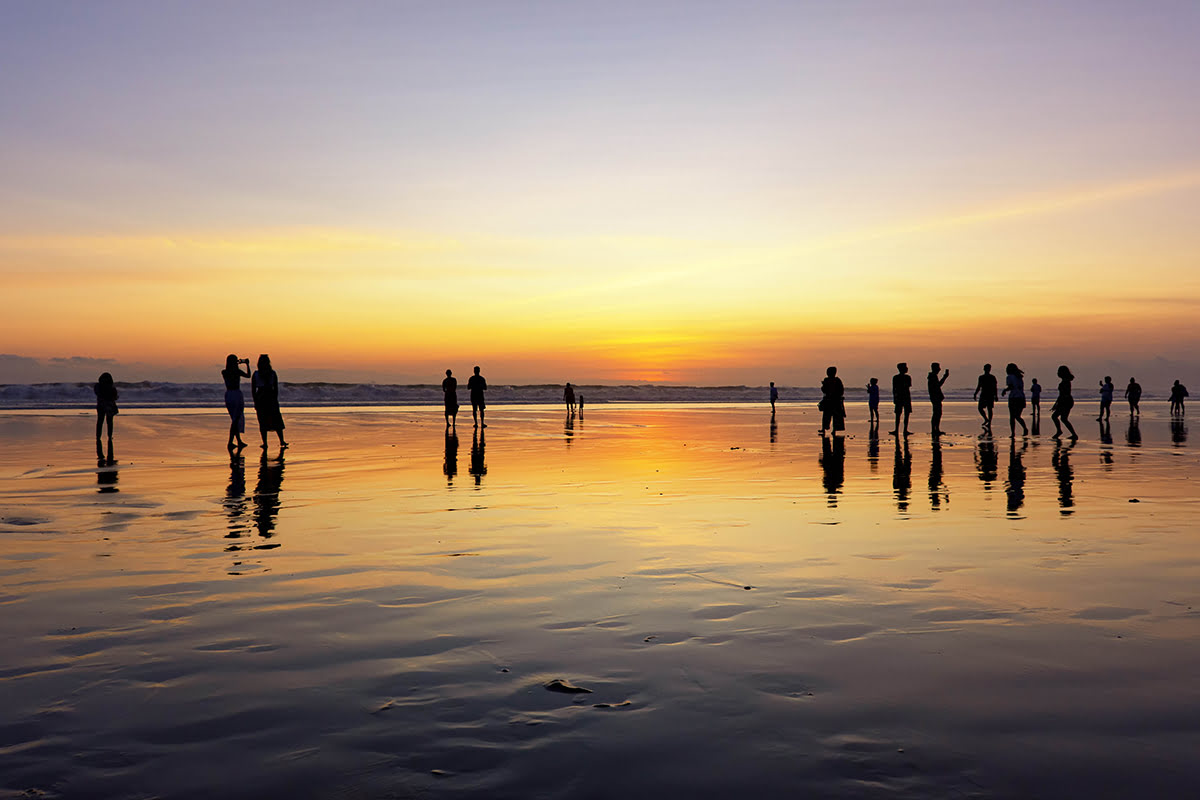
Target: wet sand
point(383, 611)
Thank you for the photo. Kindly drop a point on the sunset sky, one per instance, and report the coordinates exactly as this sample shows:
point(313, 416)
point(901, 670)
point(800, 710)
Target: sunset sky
point(689, 192)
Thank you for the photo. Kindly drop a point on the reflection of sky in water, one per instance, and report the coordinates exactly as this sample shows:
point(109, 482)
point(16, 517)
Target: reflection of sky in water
point(619, 562)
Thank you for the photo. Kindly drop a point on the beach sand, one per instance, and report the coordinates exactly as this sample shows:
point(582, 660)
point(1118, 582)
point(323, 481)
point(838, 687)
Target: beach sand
point(756, 612)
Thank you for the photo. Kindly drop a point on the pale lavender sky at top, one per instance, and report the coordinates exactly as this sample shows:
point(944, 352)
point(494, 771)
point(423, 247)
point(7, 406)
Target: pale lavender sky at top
point(420, 114)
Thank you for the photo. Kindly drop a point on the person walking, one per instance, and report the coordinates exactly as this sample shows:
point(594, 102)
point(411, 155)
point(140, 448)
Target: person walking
point(774, 396)
point(1061, 412)
point(1014, 387)
point(1106, 397)
point(1178, 392)
point(569, 398)
point(1133, 393)
point(986, 394)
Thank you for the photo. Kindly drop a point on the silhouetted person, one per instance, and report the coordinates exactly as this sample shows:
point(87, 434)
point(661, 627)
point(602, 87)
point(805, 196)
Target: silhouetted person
point(569, 399)
point(1061, 461)
point(476, 385)
point(580, 398)
point(937, 487)
point(1014, 487)
point(873, 402)
point(1178, 392)
point(833, 402)
point(264, 389)
point(450, 464)
point(1014, 387)
point(1133, 393)
point(902, 397)
point(902, 474)
point(1106, 398)
point(106, 409)
point(478, 464)
point(986, 394)
point(936, 396)
point(235, 403)
point(450, 398)
point(1035, 402)
point(1061, 411)
point(833, 466)
point(774, 396)
point(266, 494)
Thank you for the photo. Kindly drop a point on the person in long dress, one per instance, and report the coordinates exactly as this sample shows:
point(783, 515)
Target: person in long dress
point(235, 403)
point(264, 388)
point(450, 398)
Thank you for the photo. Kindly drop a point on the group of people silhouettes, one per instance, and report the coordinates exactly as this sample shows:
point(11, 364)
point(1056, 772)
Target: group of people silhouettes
point(476, 385)
point(264, 390)
point(987, 394)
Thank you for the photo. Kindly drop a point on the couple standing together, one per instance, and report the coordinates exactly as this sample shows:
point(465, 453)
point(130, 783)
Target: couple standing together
point(476, 385)
point(264, 389)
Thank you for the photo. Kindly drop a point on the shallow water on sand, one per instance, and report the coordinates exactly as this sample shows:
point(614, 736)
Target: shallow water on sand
point(753, 609)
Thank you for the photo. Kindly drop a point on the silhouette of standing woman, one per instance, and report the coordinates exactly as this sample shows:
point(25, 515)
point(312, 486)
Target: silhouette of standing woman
point(936, 397)
point(106, 409)
point(1062, 406)
point(902, 397)
point(235, 403)
point(476, 385)
point(450, 396)
point(1133, 393)
point(264, 389)
point(833, 404)
point(1014, 387)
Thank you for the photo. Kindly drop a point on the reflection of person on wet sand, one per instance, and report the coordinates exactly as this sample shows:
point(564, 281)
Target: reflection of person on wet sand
point(450, 465)
point(1178, 431)
point(833, 404)
point(902, 474)
point(833, 466)
point(476, 385)
point(1133, 436)
point(478, 464)
point(1014, 487)
point(936, 396)
point(902, 397)
point(264, 389)
point(1061, 461)
point(106, 409)
point(235, 497)
point(1133, 393)
point(235, 403)
point(1014, 387)
point(450, 398)
point(937, 488)
point(1061, 411)
point(266, 494)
